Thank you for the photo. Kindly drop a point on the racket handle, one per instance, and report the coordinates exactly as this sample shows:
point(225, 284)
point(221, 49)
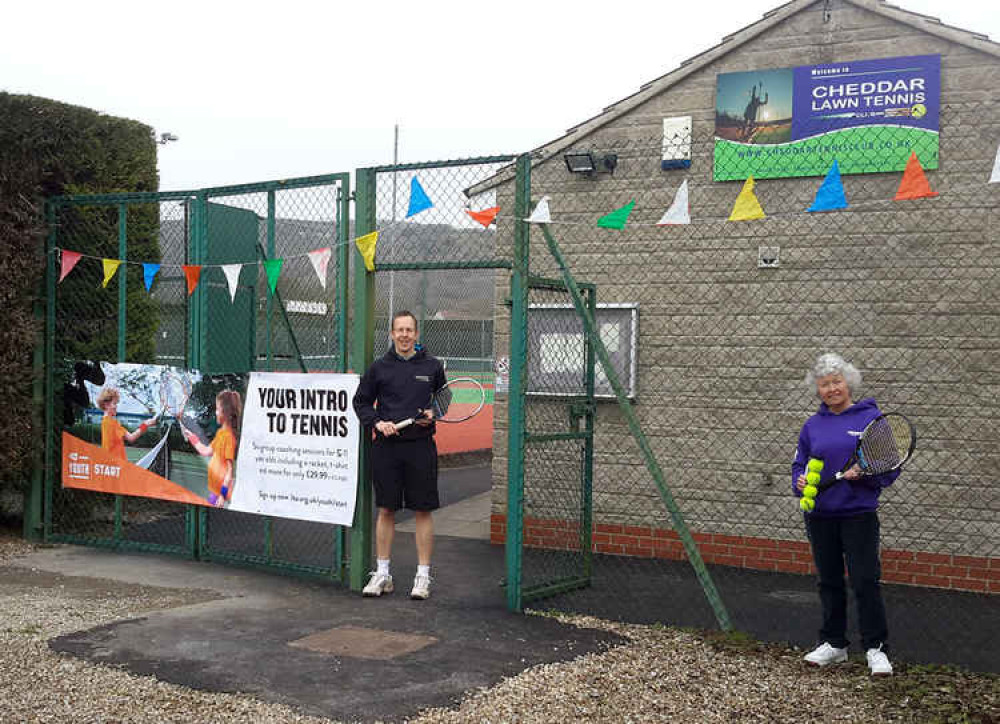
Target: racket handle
point(405, 423)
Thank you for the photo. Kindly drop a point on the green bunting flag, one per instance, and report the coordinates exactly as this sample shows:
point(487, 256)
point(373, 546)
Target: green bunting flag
point(617, 218)
point(273, 269)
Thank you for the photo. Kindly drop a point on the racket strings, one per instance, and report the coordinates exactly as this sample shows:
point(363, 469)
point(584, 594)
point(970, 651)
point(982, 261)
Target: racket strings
point(886, 445)
point(459, 400)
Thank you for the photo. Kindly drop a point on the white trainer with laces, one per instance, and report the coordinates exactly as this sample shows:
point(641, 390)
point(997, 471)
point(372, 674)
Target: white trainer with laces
point(421, 588)
point(825, 654)
point(878, 662)
point(378, 583)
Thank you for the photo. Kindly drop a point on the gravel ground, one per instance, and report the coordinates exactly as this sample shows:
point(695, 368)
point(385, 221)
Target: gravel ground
point(663, 674)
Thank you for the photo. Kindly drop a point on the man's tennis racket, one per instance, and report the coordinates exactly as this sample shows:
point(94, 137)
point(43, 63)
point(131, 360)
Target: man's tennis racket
point(885, 445)
point(459, 400)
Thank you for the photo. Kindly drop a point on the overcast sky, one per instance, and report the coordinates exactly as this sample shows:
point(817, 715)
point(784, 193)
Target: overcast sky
point(267, 91)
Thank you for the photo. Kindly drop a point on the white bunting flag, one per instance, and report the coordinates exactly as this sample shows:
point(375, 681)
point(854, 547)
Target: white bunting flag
point(541, 213)
point(995, 178)
point(679, 211)
point(232, 272)
point(320, 258)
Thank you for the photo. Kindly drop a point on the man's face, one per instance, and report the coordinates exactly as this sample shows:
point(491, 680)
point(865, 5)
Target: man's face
point(404, 335)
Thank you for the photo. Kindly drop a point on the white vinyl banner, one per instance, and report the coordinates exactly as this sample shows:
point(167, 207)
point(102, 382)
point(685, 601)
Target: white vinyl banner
point(298, 453)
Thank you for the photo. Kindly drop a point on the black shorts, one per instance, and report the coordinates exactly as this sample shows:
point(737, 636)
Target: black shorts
point(404, 474)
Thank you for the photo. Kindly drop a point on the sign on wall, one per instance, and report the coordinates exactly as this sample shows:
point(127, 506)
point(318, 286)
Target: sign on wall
point(869, 115)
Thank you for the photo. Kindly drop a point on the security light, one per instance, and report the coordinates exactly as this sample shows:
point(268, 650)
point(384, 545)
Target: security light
point(588, 163)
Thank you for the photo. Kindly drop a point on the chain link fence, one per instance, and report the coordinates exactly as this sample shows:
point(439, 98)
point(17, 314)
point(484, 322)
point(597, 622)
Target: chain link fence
point(217, 329)
point(730, 315)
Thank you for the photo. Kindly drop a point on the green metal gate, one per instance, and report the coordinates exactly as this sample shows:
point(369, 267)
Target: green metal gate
point(301, 326)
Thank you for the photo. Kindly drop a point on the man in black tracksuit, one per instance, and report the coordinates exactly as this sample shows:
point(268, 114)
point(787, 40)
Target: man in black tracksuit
point(404, 461)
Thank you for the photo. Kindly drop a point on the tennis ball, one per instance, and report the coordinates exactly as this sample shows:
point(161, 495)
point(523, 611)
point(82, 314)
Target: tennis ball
point(919, 110)
point(812, 478)
point(815, 465)
point(810, 491)
point(807, 504)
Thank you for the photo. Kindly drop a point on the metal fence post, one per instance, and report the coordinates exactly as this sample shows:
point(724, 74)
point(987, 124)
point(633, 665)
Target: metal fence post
point(515, 408)
point(362, 347)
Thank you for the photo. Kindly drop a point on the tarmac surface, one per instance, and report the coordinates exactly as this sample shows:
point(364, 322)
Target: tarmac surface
point(328, 651)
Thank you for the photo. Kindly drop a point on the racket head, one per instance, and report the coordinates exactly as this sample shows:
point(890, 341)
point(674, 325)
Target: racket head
point(460, 399)
point(175, 389)
point(886, 443)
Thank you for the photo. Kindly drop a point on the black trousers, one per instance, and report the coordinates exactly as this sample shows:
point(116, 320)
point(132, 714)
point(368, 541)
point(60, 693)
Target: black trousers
point(854, 539)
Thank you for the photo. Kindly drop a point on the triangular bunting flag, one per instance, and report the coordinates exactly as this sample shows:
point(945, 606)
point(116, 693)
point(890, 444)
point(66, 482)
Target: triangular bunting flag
point(67, 261)
point(232, 272)
point(747, 207)
point(273, 269)
point(484, 217)
point(617, 218)
point(366, 245)
point(995, 178)
point(830, 194)
point(320, 259)
point(541, 213)
point(418, 199)
point(914, 184)
point(192, 273)
point(149, 273)
point(110, 267)
point(679, 211)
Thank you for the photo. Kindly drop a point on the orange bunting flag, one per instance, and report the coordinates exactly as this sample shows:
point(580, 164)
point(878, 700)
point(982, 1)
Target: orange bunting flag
point(67, 261)
point(110, 267)
point(914, 184)
point(484, 217)
point(192, 273)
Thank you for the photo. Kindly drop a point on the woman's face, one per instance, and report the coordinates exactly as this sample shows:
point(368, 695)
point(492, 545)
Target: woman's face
point(833, 390)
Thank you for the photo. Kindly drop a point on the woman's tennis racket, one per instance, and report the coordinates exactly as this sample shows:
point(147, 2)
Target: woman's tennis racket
point(459, 400)
point(885, 445)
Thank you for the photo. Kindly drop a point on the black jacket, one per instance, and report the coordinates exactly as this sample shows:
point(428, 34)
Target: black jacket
point(401, 387)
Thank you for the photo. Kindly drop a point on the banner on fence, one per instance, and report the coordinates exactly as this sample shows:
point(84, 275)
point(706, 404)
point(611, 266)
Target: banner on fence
point(274, 444)
point(298, 451)
point(867, 115)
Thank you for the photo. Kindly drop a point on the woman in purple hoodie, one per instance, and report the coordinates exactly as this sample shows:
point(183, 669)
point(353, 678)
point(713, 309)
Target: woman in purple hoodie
point(844, 525)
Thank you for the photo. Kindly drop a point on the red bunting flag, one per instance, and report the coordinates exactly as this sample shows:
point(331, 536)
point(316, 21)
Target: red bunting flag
point(914, 184)
point(192, 273)
point(68, 260)
point(484, 217)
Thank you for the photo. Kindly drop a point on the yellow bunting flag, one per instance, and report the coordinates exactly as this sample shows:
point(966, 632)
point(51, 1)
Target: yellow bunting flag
point(110, 267)
point(747, 207)
point(366, 245)
point(192, 273)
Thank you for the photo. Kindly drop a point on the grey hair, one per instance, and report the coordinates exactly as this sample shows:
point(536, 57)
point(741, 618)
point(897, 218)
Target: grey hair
point(833, 364)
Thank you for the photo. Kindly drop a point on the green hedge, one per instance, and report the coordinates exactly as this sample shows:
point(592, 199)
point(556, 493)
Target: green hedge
point(49, 149)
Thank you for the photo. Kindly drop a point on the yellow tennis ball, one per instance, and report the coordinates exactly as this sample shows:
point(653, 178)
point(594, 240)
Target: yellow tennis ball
point(812, 478)
point(815, 465)
point(807, 504)
point(810, 491)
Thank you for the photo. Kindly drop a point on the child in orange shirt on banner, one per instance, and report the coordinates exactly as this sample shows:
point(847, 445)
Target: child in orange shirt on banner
point(113, 433)
point(222, 450)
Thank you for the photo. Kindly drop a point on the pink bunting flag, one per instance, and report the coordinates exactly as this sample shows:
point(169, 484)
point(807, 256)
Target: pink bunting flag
point(68, 260)
point(320, 259)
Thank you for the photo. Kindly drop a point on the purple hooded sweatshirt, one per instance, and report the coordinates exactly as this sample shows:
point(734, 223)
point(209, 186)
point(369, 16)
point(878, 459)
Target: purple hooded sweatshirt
point(832, 438)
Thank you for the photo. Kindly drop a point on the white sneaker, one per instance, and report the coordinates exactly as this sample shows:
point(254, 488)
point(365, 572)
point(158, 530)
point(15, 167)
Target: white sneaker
point(421, 588)
point(878, 662)
point(378, 583)
point(825, 654)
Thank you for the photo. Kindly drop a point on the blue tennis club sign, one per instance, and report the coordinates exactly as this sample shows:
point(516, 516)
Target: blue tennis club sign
point(869, 115)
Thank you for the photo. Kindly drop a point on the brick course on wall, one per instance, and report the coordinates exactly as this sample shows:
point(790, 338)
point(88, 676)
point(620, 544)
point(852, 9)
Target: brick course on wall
point(979, 574)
